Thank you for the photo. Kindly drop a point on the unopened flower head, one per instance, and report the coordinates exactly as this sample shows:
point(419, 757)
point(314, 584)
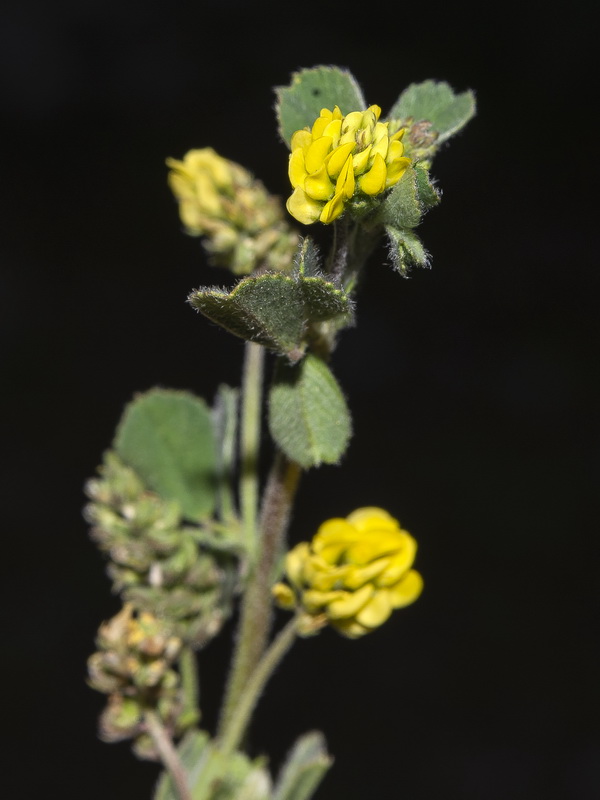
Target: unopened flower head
point(352, 575)
point(341, 158)
point(243, 223)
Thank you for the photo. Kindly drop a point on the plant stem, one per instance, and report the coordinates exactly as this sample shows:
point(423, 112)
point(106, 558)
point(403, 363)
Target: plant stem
point(340, 250)
point(188, 669)
point(250, 440)
point(168, 754)
point(256, 611)
point(238, 723)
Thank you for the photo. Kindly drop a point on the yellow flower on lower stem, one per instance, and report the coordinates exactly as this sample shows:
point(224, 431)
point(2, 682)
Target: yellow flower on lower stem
point(341, 157)
point(352, 575)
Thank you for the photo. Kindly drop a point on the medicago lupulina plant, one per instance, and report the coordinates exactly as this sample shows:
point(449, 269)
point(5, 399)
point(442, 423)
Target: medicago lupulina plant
point(178, 507)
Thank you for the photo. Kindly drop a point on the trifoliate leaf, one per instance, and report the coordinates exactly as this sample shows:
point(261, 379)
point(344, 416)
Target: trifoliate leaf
point(166, 436)
point(304, 768)
point(405, 250)
point(274, 309)
point(299, 104)
point(436, 103)
point(308, 416)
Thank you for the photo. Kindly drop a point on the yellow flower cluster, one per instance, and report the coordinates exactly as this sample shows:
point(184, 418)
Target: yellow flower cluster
point(352, 575)
point(342, 156)
point(243, 223)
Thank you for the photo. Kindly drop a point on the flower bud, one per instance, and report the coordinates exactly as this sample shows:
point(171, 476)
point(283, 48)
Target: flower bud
point(243, 224)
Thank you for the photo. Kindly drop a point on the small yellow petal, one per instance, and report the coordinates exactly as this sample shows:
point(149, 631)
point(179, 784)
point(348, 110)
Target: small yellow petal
point(333, 209)
point(301, 139)
point(398, 135)
point(352, 121)
point(348, 604)
point(337, 158)
point(396, 170)
point(334, 130)
point(333, 531)
point(302, 207)
point(376, 611)
point(315, 155)
point(400, 562)
point(209, 200)
point(355, 576)
point(381, 146)
point(314, 601)
point(395, 150)
point(296, 169)
point(371, 516)
point(407, 590)
point(373, 181)
point(345, 182)
point(318, 186)
point(294, 562)
point(320, 124)
point(284, 596)
point(337, 114)
point(376, 110)
point(349, 628)
point(360, 160)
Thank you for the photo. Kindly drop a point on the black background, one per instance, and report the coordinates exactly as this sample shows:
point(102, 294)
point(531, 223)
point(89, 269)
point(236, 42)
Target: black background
point(473, 385)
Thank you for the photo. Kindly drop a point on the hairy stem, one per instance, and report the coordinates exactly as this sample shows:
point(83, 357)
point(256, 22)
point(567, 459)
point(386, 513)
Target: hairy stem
point(250, 440)
point(188, 668)
point(234, 731)
point(168, 754)
point(256, 610)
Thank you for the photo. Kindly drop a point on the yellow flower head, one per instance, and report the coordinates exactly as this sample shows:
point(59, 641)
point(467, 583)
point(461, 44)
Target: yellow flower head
point(222, 201)
point(339, 158)
point(352, 575)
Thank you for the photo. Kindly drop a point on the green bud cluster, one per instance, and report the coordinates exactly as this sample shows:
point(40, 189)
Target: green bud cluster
point(243, 225)
point(184, 574)
point(134, 666)
point(420, 140)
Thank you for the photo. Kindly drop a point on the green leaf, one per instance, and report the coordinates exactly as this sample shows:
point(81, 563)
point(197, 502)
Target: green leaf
point(405, 250)
point(426, 191)
point(402, 207)
point(308, 416)
point(274, 309)
point(304, 768)
point(436, 103)
point(299, 104)
point(166, 436)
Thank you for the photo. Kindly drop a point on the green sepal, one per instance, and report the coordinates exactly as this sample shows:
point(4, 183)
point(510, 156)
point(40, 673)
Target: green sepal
point(436, 103)
point(405, 250)
point(274, 309)
point(304, 768)
point(299, 104)
point(308, 416)
point(166, 436)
